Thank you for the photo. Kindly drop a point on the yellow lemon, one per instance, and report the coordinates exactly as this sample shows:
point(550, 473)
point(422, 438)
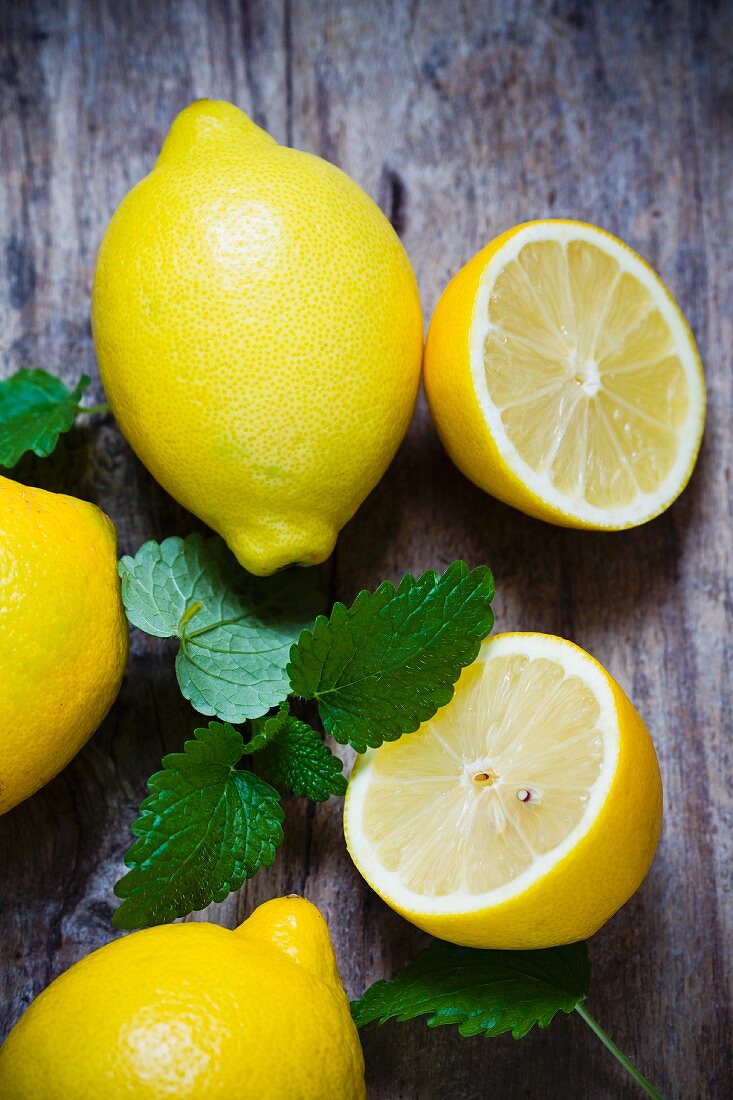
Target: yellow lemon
point(63, 633)
point(563, 378)
point(194, 1010)
point(259, 335)
point(524, 814)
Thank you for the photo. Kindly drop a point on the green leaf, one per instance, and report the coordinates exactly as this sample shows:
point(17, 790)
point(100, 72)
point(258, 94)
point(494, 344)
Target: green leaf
point(235, 630)
point(265, 729)
point(202, 831)
point(296, 757)
point(483, 992)
point(381, 667)
point(35, 408)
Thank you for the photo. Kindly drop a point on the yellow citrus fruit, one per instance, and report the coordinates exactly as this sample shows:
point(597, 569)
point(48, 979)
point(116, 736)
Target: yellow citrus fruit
point(524, 814)
point(63, 633)
point(563, 378)
point(259, 335)
point(194, 1010)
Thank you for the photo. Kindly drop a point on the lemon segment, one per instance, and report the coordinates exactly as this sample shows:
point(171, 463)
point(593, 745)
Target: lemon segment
point(470, 826)
point(563, 378)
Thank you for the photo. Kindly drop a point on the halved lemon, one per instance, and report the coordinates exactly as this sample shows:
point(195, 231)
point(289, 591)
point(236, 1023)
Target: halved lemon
point(523, 814)
point(563, 378)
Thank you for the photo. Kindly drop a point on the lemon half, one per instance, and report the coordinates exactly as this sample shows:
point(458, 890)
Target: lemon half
point(524, 814)
point(563, 378)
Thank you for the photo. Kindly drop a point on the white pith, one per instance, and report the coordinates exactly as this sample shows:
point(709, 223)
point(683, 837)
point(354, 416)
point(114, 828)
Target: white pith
point(646, 503)
point(390, 883)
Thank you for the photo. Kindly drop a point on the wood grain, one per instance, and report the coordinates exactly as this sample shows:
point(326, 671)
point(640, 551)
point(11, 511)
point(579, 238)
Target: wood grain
point(461, 119)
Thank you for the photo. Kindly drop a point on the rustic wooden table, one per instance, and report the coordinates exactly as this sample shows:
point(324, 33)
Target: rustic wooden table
point(460, 119)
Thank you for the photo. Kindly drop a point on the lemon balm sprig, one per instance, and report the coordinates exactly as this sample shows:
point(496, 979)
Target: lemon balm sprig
point(485, 992)
point(36, 408)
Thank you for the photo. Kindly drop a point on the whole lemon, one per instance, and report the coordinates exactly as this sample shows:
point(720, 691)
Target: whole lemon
point(194, 1010)
point(259, 335)
point(63, 633)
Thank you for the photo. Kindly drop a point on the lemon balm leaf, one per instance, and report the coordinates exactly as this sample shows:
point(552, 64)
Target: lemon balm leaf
point(481, 992)
point(296, 757)
point(383, 666)
point(484, 992)
point(203, 830)
point(291, 754)
point(234, 630)
point(35, 409)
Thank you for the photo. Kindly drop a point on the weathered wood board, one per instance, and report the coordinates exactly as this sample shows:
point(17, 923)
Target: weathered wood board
point(461, 119)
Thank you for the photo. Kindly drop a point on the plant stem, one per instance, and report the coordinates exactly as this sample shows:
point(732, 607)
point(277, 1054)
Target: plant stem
point(609, 1043)
point(188, 614)
point(190, 634)
point(93, 410)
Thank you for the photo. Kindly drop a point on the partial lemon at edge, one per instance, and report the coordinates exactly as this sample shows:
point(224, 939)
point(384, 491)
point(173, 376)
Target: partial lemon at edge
point(524, 814)
point(63, 633)
point(563, 378)
point(194, 1010)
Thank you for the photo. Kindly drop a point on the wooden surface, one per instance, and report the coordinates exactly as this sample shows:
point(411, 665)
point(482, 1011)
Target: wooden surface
point(461, 119)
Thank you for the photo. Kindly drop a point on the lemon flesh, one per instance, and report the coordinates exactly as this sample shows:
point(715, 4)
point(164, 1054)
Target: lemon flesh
point(583, 371)
point(479, 811)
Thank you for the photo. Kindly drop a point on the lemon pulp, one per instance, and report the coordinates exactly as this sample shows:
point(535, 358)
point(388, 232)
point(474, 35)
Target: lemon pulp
point(584, 370)
point(496, 780)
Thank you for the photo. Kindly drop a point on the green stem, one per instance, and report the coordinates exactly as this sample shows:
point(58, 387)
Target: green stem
point(609, 1043)
point(191, 634)
point(93, 410)
point(188, 614)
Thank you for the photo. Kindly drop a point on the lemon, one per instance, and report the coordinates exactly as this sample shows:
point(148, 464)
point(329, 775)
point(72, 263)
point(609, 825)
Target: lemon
point(524, 814)
point(563, 378)
point(194, 1010)
point(259, 335)
point(63, 633)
